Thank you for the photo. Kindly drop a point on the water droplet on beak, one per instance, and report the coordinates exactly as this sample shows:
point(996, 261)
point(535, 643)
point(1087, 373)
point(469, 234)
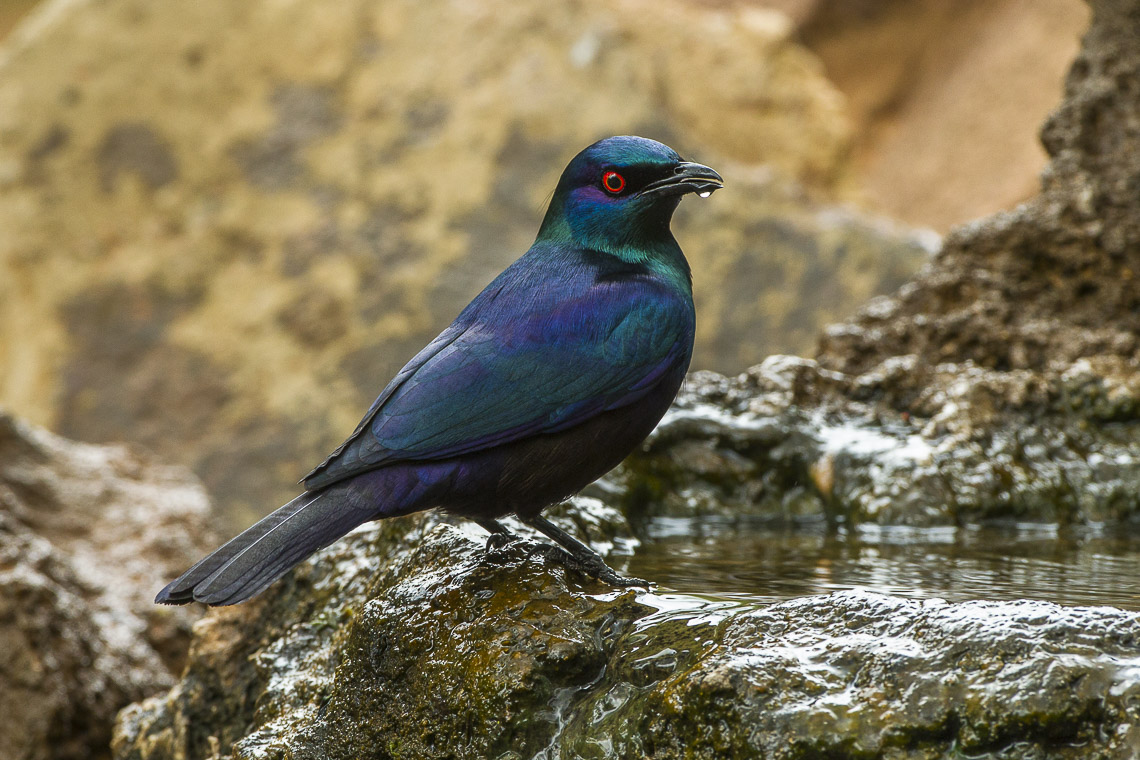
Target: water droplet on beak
point(704, 194)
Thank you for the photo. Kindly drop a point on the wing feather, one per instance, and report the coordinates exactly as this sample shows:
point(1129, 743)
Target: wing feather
point(528, 362)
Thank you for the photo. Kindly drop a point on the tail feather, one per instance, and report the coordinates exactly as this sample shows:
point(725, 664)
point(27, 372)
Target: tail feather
point(264, 552)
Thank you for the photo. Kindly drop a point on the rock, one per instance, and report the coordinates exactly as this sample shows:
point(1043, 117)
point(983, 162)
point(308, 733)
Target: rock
point(856, 674)
point(224, 228)
point(793, 441)
point(407, 640)
point(293, 636)
point(88, 534)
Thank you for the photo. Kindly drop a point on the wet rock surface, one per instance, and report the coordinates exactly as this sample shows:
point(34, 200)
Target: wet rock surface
point(793, 441)
point(86, 535)
point(408, 640)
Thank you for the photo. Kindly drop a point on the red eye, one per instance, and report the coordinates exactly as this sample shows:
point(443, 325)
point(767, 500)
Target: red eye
point(613, 182)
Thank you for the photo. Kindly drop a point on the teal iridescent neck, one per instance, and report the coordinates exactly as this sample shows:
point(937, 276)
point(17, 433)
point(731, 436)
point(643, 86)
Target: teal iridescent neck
point(632, 238)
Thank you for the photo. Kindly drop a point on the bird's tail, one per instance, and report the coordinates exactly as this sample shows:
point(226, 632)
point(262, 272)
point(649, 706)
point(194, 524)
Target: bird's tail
point(264, 552)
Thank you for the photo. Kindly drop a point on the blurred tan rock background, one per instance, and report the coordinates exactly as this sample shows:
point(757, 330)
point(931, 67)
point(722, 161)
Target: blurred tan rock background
point(944, 97)
point(224, 226)
point(11, 11)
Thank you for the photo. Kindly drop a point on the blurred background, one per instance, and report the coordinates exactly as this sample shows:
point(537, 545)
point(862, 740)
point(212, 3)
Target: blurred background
point(224, 226)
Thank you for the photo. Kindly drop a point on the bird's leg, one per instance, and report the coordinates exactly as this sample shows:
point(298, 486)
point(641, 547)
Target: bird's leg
point(499, 537)
point(583, 557)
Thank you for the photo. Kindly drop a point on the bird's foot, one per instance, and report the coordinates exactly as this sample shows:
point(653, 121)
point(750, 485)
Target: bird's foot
point(571, 554)
point(625, 581)
point(591, 566)
point(576, 555)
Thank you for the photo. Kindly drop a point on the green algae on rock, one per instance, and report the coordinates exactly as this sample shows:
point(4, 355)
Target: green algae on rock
point(408, 640)
point(494, 641)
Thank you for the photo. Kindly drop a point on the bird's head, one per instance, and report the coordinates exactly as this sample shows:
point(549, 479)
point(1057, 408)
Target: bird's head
point(619, 194)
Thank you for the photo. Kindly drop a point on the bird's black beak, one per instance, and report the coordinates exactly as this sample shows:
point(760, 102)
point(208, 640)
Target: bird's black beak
point(687, 177)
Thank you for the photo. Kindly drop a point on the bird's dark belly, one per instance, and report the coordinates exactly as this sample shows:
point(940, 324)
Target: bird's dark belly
point(527, 476)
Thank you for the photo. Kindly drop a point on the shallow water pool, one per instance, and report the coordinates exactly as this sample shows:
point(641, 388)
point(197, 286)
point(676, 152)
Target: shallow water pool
point(748, 561)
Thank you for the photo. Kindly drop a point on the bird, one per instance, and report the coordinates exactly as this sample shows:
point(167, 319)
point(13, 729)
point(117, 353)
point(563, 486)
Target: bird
point(547, 380)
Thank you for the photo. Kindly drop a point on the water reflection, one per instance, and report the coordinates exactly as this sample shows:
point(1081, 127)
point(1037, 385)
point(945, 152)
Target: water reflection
point(751, 562)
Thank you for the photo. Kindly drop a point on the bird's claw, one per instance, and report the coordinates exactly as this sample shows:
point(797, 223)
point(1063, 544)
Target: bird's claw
point(606, 574)
point(583, 560)
point(593, 567)
point(627, 581)
point(498, 541)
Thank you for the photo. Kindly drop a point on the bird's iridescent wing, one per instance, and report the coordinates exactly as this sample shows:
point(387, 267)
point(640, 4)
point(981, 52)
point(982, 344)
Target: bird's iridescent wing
point(525, 362)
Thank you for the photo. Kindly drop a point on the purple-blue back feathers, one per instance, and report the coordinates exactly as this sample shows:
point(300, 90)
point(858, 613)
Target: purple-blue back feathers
point(557, 338)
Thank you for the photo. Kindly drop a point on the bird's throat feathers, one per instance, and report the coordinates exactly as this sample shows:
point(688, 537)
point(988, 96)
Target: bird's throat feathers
point(657, 250)
point(632, 233)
